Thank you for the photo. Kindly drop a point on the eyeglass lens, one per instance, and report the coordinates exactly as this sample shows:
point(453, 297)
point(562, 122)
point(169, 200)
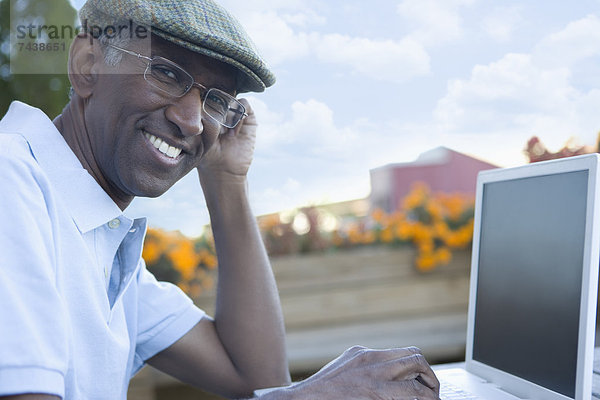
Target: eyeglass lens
point(170, 78)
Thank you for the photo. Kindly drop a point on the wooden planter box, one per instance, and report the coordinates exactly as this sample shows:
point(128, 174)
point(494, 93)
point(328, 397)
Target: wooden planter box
point(372, 296)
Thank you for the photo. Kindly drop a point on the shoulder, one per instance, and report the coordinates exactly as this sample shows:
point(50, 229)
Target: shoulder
point(21, 176)
point(13, 142)
point(16, 153)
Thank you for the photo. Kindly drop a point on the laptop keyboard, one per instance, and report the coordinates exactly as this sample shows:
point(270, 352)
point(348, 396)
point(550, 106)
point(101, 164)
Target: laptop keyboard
point(450, 392)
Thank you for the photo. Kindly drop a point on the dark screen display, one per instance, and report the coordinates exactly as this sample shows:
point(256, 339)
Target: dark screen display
point(529, 279)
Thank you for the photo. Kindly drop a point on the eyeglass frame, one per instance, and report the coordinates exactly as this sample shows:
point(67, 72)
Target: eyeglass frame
point(244, 114)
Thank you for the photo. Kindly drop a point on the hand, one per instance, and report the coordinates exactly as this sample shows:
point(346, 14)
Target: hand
point(361, 373)
point(232, 152)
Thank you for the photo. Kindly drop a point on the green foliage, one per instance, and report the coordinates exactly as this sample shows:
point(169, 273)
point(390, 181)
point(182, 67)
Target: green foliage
point(163, 270)
point(46, 91)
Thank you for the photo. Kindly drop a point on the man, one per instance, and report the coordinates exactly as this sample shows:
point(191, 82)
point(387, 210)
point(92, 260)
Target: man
point(81, 314)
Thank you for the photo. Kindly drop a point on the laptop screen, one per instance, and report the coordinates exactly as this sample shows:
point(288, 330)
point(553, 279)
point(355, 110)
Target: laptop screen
point(530, 277)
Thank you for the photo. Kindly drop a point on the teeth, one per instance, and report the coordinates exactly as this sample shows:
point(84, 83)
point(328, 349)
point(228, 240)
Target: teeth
point(163, 147)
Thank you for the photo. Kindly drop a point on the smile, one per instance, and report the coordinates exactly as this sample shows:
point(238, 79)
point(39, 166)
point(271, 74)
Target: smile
point(163, 147)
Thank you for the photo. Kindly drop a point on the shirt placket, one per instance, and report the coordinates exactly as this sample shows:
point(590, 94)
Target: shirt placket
point(126, 262)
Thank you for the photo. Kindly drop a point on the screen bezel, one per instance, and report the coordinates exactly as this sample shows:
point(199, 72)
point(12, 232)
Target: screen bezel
point(511, 383)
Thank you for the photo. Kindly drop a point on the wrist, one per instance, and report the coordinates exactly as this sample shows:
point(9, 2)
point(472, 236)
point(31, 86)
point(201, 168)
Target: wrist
point(226, 198)
point(221, 186)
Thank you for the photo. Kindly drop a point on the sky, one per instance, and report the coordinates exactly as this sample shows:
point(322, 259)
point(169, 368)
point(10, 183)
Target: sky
point(364, 84)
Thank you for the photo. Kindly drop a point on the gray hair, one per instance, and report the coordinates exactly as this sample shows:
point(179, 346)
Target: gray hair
point(112, 56)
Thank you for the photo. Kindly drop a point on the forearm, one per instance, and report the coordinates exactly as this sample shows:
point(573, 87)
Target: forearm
point(248, 316)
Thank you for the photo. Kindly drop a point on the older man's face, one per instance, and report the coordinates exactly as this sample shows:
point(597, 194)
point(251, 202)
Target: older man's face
point(125, 114)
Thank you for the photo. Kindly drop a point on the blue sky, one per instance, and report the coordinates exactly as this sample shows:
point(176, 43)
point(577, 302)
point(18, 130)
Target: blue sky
point(363, 84)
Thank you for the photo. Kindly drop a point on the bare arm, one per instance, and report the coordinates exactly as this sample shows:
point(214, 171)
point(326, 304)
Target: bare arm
point(244, 347)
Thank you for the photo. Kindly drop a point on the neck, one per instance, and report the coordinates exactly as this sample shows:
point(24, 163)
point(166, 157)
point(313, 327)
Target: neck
point(72, 126)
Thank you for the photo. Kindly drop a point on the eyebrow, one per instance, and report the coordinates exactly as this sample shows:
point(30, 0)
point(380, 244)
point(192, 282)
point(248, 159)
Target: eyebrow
point(231, 91)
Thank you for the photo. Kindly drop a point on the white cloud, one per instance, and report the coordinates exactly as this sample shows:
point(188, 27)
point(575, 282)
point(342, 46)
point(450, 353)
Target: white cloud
point(385, 60)
point(435, 21)
point(514, 85)
point(501, 23)
point(577, 41)
point(311, 129)
point(503, 93)
point(287, 34)
point(522, 95)
point(242, 7)
point(285, 31)
point(305, 18)
point(277, 41)
point(315, 159)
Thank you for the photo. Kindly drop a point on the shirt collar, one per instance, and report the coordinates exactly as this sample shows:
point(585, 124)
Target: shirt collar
point(89, 205)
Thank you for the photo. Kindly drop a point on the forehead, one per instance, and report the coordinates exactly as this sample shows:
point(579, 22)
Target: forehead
point(205, 70)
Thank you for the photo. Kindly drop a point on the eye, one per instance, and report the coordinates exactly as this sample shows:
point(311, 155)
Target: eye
point(165, 73)
point(217, 102)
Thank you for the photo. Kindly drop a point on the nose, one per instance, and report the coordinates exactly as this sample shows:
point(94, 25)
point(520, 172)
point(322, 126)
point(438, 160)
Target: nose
point(186, 113)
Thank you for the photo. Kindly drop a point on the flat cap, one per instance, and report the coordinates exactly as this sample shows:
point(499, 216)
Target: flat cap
point(202, 26)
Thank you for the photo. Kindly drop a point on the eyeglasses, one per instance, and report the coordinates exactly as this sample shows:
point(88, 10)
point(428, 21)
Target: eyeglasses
point(170, 78)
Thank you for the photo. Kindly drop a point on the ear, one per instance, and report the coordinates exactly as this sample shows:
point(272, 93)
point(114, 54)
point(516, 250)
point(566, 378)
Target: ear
point(84, 58)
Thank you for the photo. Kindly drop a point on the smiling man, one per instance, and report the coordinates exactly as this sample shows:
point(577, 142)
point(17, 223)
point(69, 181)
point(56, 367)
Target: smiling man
point(80, 312)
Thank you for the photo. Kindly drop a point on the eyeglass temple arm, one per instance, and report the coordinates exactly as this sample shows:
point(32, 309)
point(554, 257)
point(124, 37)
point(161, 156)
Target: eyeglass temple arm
point(133, 53)
point(244, 114)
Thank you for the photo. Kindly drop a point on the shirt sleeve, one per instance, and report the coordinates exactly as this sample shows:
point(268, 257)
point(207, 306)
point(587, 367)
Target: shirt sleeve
point(165, 314)
point(33, 334)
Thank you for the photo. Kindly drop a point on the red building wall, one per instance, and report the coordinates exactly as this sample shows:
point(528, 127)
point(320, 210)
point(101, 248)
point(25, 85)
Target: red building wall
point(442, 169)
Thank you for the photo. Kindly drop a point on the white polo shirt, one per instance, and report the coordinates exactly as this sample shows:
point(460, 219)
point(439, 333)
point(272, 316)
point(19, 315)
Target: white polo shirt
point(79, 312)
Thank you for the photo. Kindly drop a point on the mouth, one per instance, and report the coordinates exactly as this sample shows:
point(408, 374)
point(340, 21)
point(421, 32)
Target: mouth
point(162, 146)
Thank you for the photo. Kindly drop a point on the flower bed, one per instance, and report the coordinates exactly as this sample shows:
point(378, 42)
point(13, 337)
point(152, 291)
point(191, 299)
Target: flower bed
point(434, 224)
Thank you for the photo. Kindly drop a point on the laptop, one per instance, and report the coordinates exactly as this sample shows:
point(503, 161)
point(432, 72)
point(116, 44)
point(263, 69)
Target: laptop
point(534, 284)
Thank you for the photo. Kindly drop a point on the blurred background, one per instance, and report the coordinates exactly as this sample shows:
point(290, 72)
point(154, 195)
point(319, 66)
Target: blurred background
point(367, 154)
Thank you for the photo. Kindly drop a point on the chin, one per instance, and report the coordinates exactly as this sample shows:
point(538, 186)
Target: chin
point(152, 191)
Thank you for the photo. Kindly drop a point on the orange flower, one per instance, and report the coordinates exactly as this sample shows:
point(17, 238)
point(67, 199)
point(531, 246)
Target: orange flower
point(184, 258)
point(405, 230)
point(386, 235)
point(416, 197)
point(378, 215)
point(425, 262)
point(269, 222)
point(443, 255)
point(368, 237)
point(425, 246)
point(337, 239)
point(354, 235)
point(151, 252)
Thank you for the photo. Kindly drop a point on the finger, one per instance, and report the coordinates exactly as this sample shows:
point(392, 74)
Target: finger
point(414, 367)
point(410, 390)
point(365, 355)
point(250, 120)
point(246, 104)
point(435, 383)
point(394, 353)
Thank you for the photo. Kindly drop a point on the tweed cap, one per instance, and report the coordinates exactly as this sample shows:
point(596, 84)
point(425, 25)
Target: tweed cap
point(198, 25)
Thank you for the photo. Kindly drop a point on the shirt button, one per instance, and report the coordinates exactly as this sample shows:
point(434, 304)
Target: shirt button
point(114, 224)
